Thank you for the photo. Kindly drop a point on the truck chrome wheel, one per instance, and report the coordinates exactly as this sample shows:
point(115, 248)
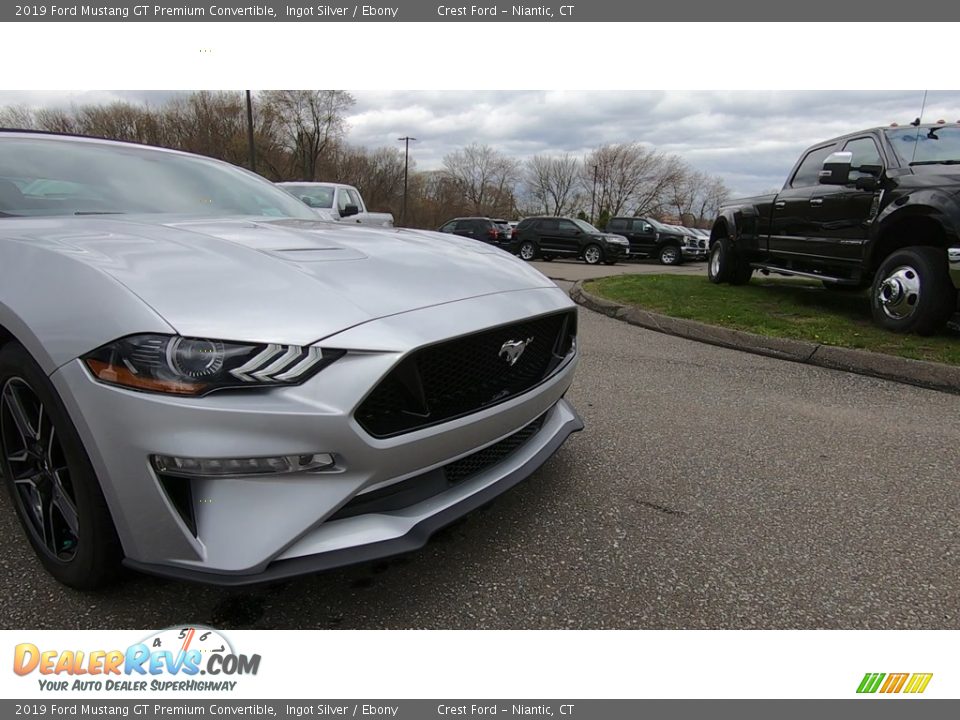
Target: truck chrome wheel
point(38, 469)
point(670, 255)
point(899, 292)
point(912, 291)
point(715, 260)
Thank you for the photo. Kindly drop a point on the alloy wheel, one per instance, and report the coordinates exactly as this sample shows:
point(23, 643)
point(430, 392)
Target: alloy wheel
point(39, 470)
point(527, 251)
point(592, 255)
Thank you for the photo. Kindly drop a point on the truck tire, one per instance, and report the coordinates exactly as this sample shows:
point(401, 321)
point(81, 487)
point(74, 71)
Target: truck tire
point(725, 266)
point(670, 255)
point(912, 291)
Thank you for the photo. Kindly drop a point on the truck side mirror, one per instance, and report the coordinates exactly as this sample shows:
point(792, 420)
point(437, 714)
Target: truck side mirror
point(349, 210)
point(836, 168)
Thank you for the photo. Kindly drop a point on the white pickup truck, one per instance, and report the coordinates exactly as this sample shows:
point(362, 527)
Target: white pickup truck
point(336, 203)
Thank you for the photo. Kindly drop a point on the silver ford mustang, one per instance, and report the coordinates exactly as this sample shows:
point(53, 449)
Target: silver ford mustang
point(200, 379)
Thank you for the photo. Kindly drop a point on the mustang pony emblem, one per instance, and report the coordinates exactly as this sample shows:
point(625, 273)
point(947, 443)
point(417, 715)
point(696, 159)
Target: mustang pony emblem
point(511, 350)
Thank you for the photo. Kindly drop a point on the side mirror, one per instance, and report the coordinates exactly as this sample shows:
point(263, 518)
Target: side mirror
point(349, 210)
point(836, 169)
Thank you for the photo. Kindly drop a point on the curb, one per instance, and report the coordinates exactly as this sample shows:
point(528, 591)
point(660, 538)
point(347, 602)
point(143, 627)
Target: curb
point(934, 376)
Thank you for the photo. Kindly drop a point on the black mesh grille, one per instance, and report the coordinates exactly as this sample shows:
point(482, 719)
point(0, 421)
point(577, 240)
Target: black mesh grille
point(482, 459)
point(419, 488)
point(454, 378)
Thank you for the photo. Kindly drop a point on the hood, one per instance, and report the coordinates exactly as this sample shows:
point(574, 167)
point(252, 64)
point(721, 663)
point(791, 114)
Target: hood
point(285, 281)
point(609, 236)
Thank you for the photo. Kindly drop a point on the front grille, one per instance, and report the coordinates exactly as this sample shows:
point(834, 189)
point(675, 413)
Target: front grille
point(417, 489)
point(457, 377)
point(482, 459)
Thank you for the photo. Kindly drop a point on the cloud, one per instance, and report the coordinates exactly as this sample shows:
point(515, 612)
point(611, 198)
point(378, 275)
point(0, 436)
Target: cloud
point(750, 138)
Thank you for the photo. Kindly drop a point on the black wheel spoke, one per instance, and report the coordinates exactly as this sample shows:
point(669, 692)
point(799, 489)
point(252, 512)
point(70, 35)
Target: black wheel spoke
point(14, 403)
point(39, 471)
point(19, 457)
point(29, 478)
point(68, 511)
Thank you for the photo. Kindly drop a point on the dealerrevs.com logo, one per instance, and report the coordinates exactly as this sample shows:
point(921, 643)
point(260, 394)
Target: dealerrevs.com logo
point(887, 684)
point(177, 659)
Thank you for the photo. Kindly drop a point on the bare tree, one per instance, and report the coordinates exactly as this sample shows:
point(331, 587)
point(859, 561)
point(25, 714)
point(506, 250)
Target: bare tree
point(18, 117)
point(56, 120)
point(485, 177)
point(311, 121)
point(713, 193)
point(682, 192)
point(629, 177)
point(553, 183)
point(378, 174)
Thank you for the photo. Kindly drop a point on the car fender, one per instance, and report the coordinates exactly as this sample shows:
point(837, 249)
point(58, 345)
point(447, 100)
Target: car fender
point(933, 203)
point(60, 308)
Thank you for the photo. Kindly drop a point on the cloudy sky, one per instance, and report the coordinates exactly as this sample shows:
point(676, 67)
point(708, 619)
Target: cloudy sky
point(750, 138)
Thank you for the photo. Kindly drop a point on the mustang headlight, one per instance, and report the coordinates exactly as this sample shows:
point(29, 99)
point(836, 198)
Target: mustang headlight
point(197, 366)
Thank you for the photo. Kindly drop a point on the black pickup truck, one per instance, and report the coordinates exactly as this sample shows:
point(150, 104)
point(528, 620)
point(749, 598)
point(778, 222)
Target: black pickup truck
point(877, 208)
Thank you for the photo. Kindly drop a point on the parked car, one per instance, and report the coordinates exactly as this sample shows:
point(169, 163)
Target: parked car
point(549, 237)
point(874, 208)
point(650, 238)
point(165, 400)
point(489, 230)
point(336, 202)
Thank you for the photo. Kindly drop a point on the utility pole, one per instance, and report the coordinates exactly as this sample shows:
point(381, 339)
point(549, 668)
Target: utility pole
point(593, 197)
point(252, 150)
point(406, 165)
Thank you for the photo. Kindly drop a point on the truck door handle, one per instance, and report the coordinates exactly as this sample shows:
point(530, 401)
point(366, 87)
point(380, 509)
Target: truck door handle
point(816, 201)
point(780, 204)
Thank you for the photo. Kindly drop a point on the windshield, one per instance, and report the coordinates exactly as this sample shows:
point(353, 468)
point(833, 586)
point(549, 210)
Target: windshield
point(312, 195)
point(46, 176)
point(585, 226)
point(927, 146)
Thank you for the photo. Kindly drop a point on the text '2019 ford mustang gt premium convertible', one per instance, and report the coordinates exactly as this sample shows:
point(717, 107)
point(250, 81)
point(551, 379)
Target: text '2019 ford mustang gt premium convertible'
point(201, 379)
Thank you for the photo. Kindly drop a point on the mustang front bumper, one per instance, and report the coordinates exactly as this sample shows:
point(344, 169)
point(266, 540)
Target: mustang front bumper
point(251, 529)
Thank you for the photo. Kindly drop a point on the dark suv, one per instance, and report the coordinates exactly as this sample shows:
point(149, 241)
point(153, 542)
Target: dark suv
point(650, 238)
point(489, 230)
point(550, 237)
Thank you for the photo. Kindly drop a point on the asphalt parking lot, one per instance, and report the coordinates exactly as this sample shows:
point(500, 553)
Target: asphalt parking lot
point(711, 489)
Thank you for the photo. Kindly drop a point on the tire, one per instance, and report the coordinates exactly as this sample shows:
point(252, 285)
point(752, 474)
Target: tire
point(670, 255)
point(593, 254)
point(75, 540)
point(724, 266)
point(912, 291)
point(528, 250)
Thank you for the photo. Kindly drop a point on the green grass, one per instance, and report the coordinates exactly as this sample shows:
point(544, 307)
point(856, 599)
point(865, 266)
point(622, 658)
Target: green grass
point(798, 309)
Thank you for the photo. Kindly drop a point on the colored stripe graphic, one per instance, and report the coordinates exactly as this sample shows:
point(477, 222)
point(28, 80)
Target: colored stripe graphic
point(894, 683)
point(918, 683)
point(870, 683)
